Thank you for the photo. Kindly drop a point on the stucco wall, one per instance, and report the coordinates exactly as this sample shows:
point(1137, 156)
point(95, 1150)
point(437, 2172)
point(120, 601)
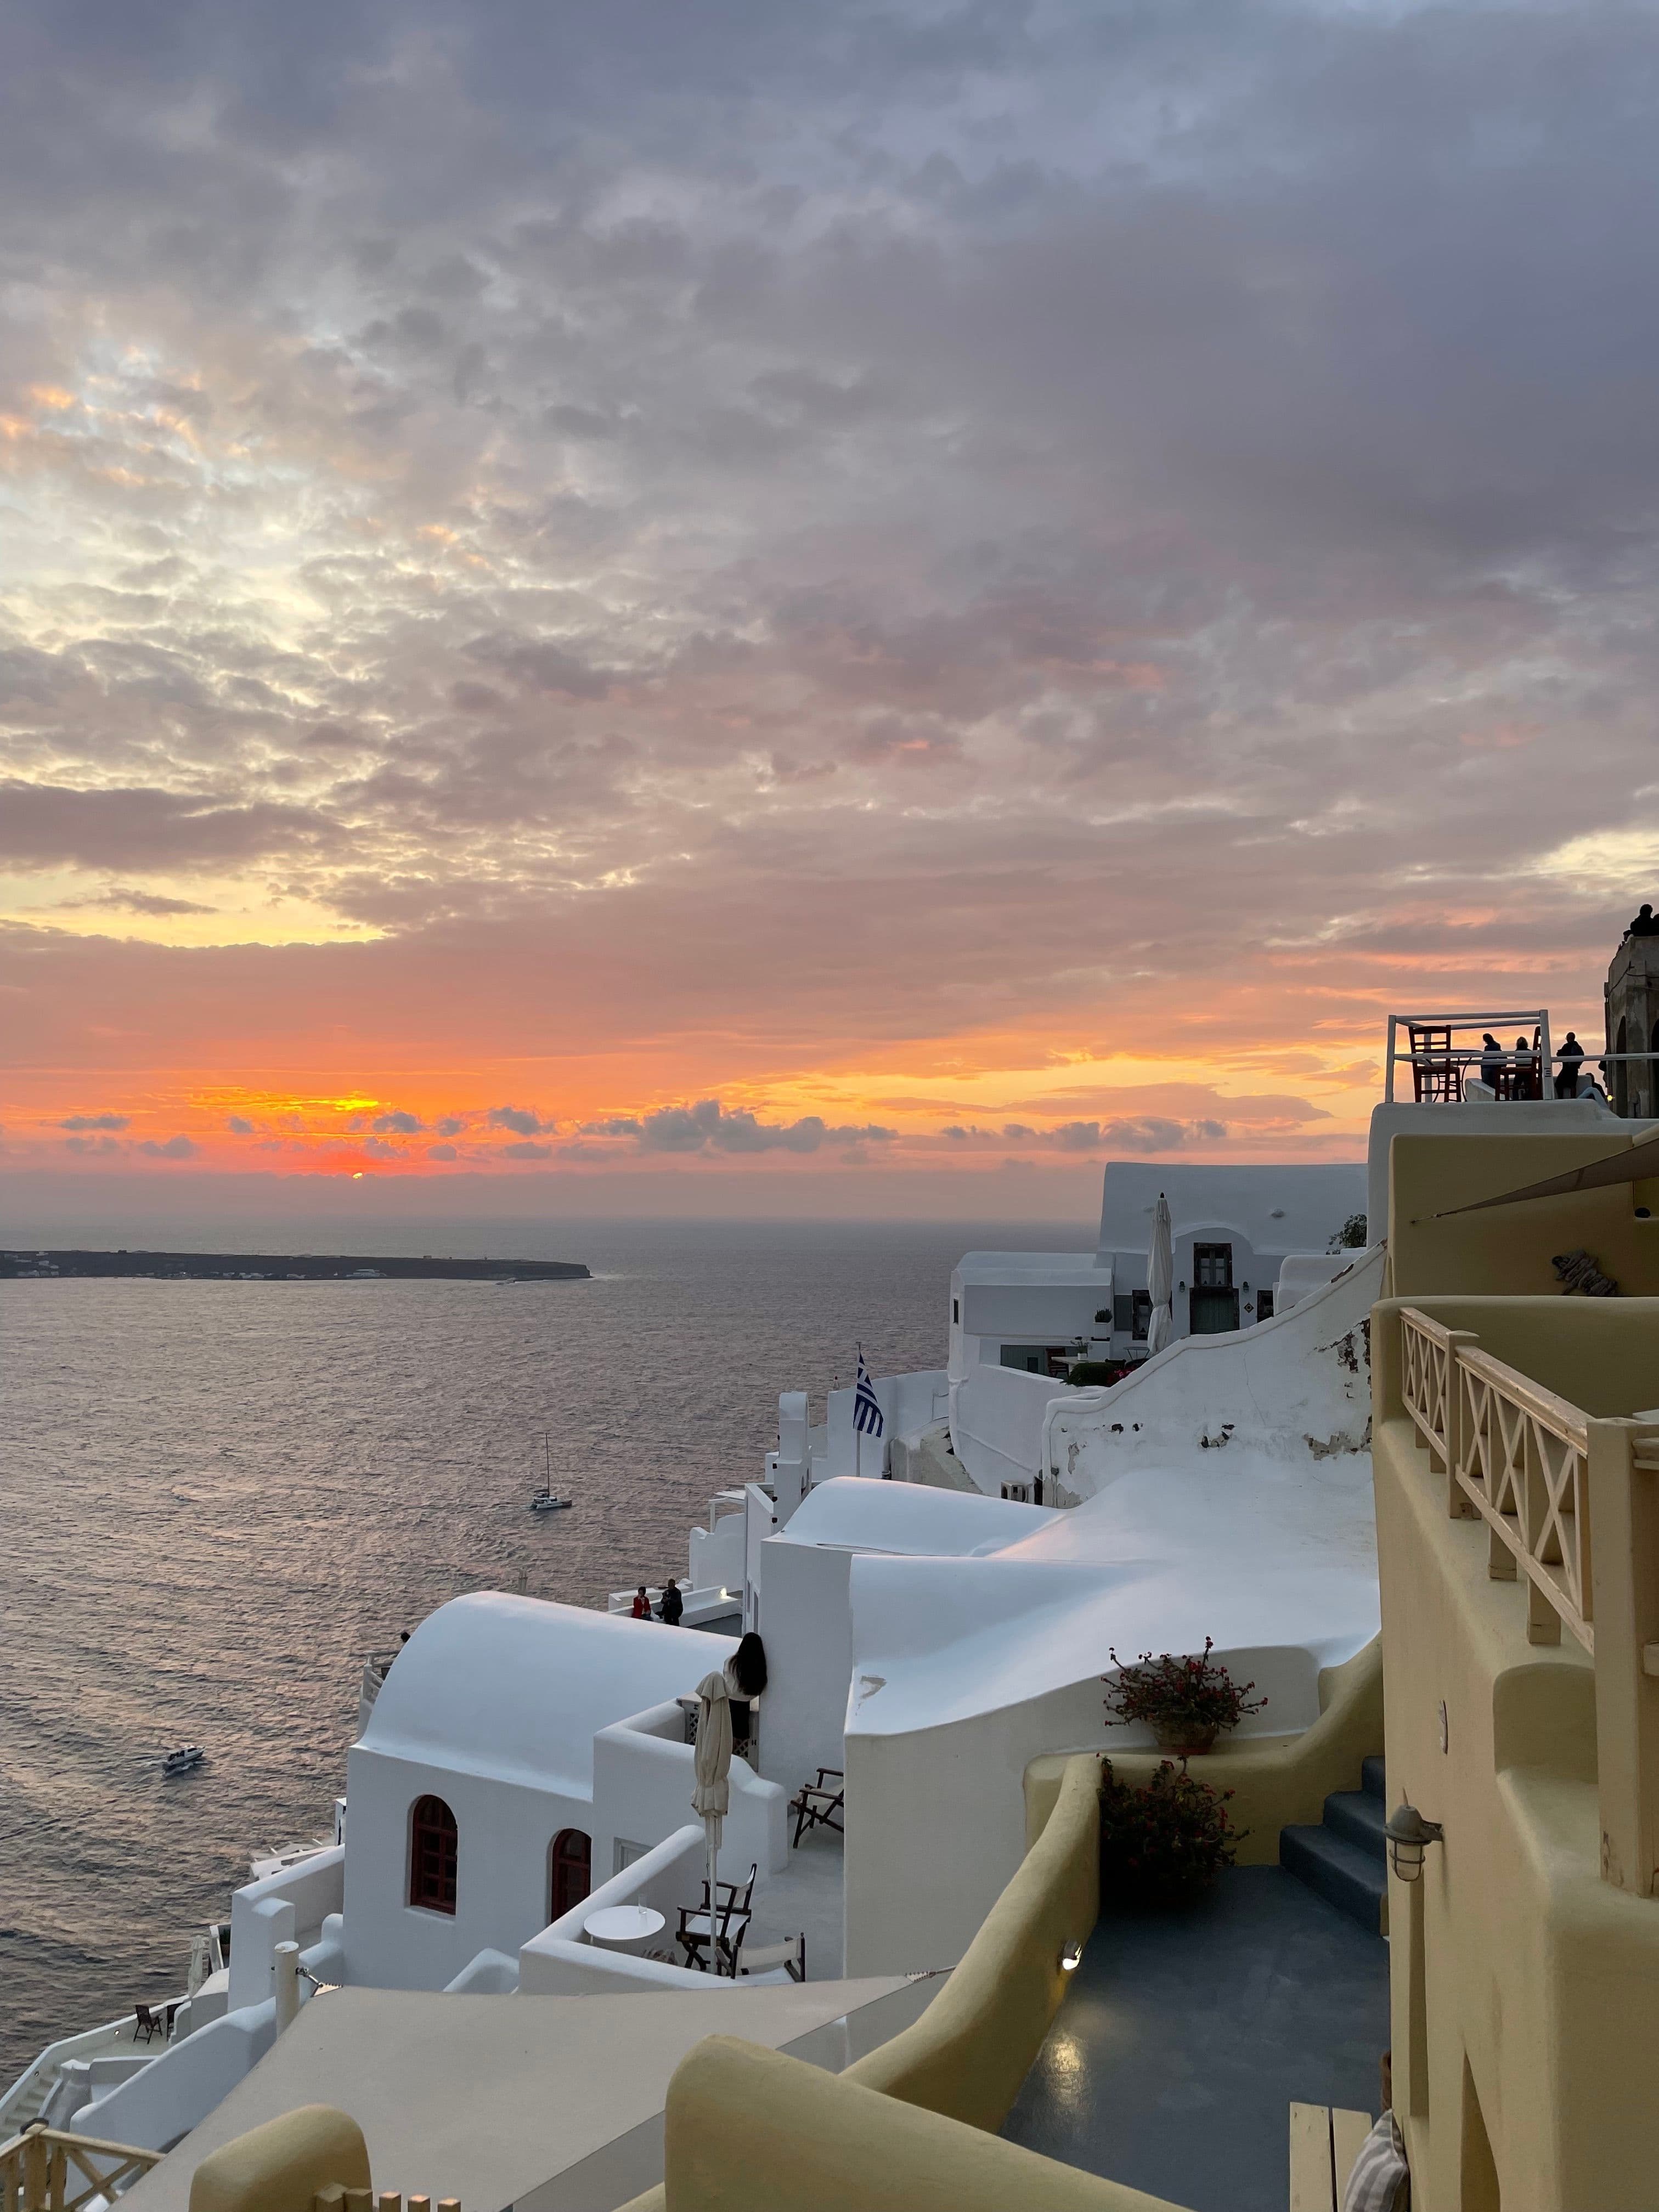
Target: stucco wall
point(807, 1624)
point(505, 1832)
point(1525, 1988)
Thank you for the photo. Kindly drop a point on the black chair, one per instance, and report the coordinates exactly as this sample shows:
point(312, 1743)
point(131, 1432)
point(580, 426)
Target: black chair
point(723, 1932)
point(815, 1804)
point(147, 2024)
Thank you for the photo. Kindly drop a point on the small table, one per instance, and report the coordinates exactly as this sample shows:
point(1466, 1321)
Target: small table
point(624, 1927)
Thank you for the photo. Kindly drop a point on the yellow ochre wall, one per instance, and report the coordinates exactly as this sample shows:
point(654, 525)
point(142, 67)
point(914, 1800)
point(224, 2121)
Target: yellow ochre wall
point(1507, 1249)
point(1525, 1989)
point(1276, 1780)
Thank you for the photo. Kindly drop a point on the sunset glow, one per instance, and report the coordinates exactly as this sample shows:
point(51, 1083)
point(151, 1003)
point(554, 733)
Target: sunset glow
point(865, 606)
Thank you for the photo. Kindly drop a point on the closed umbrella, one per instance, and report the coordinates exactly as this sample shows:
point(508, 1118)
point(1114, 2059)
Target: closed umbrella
point(713, 1794)
point(1160, 1277)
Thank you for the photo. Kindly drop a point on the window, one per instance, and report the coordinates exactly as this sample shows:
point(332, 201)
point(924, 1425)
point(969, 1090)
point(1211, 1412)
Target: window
point(1212, 1266)
point(626, 1852)
point(1264, 1305)
point(1018, 1492)
point(570, 1872)
point(1141, 1316)
point(956, 1311)
point(1123, 1311)
point(431, 1856)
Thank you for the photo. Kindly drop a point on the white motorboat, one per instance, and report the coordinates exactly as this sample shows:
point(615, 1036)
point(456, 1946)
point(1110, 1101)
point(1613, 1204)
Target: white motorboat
point(185, 1761)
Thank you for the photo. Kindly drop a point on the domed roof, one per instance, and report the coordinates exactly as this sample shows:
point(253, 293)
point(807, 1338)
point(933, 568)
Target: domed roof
point(516, 1687)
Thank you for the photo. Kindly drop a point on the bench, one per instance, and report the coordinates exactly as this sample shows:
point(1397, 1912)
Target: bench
point(1324, 2143)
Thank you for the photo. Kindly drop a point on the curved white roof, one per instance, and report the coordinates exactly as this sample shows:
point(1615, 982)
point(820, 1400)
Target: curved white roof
point(854, 1514)
point(1276, 1560)
point(517, 1688)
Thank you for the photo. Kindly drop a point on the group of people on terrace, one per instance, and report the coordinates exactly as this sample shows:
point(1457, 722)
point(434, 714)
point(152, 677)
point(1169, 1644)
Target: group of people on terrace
point(1520, 1074)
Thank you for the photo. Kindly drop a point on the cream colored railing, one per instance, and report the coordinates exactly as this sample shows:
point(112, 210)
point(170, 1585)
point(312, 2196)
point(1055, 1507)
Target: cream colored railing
point(44, 2170)
point(1572, 1504)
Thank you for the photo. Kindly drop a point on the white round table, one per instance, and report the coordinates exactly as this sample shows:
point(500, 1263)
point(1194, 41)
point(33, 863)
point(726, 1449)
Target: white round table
point(624, 1927)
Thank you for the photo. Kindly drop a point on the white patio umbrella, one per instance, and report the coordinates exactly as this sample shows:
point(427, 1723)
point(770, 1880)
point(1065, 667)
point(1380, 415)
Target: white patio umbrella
point(713, 1794)
point(1160, 1277)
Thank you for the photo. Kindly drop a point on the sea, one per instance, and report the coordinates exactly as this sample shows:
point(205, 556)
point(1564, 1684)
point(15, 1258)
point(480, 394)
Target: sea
point(219, 1497)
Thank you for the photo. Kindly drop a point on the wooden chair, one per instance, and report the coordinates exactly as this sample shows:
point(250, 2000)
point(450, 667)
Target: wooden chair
point(147, 2023)
point(1324, 2143)
point(815, 1804)
point(699, 1932)
point(1437, 1076)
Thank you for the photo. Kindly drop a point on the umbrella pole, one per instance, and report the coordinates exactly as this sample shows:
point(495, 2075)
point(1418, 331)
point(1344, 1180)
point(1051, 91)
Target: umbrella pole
point(713, 1920)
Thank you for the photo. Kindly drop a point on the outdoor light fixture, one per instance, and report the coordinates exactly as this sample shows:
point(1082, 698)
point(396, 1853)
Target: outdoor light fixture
point(1408, 1835)
point(1070, 1958)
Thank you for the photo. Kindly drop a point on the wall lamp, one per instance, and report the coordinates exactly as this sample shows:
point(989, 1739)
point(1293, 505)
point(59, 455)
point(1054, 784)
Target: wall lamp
point(1070, 1958)
point(1409, 1835)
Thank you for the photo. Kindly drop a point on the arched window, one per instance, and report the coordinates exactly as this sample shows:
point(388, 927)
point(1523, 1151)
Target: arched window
point(571, 1865)
point(432, 1854)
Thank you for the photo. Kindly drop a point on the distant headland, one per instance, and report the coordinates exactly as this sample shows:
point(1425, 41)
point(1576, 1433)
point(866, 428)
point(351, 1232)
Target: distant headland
point(283, 1267)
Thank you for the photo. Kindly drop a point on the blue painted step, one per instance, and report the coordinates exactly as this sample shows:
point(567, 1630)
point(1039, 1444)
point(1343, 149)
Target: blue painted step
point(1345, 1859)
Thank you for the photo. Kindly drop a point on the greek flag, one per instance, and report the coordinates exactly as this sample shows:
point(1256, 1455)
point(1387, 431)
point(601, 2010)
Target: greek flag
point(866, 1412)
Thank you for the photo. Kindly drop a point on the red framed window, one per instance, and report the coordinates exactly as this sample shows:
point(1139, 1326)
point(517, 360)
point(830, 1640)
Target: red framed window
point(431, 1856)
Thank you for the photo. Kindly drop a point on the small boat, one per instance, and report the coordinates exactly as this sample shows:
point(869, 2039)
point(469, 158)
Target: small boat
point(187, 1758)
point(547, 1499)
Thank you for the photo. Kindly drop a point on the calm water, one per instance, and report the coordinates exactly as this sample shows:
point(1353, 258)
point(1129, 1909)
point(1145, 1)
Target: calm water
point(218, 1496)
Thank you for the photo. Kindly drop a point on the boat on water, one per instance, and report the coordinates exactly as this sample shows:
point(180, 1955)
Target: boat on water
point(547, 1499)
point(185, 1761)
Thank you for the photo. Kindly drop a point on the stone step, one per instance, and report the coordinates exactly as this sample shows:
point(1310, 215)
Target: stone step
point(1373, 1779)
point(1357, 1817)
point(1345, 1874)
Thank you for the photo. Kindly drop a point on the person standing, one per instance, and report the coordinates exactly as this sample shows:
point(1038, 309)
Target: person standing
point(672, 1605)
point(1571, 1056)
point(745, 1678)
point(1523, 1083)
point(1492, 1064)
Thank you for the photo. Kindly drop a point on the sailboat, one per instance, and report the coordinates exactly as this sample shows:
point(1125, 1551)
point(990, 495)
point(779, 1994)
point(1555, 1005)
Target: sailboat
point(547, 1499)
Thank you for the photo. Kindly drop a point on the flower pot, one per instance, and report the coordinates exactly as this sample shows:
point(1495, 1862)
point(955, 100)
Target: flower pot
point(1186, 1743)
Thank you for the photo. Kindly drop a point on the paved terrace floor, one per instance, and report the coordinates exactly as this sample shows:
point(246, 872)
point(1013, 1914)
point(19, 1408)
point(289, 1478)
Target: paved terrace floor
point(807, 1896)
point(1185, 2037)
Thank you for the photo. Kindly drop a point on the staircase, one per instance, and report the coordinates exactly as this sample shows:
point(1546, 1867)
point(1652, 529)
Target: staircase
point(1345, 1859)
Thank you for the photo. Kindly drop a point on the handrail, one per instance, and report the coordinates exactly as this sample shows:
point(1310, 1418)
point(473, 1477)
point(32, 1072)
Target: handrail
point(35, 2170)
point(1528, 1463)
point(1516, 1455)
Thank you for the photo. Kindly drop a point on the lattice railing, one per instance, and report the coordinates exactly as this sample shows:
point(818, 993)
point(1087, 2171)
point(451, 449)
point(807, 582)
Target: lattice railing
point(1515, 1455)
point(45, 2170)
point(1570, 1504)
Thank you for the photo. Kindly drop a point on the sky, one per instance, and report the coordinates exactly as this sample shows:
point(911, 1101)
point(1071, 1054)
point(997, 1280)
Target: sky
point(850, 610)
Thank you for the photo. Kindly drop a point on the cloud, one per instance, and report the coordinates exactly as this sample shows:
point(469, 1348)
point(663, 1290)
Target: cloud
point(124, 899)
point(173, 1148)
point(396, 1124)
point(707, 1128)
point(527, 1151)
point(91, 1145)
point(94, 1121)
point(527, 1124)
point(451, 1126)
point(441, 1153)
point(239, 1126)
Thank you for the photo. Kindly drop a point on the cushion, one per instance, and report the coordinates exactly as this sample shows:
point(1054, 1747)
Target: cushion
point(1380, 2180)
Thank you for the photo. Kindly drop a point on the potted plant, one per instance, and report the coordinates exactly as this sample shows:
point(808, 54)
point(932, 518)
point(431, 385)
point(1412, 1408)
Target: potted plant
point(1164, 1844)
point(1185, 1699)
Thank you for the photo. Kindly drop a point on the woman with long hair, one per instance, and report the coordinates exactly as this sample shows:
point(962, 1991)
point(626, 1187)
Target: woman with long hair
point(745, 1680)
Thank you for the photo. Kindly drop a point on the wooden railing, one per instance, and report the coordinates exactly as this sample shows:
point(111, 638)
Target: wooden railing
point(1570, 1504)
point(339, 2199)
point(44, 2170)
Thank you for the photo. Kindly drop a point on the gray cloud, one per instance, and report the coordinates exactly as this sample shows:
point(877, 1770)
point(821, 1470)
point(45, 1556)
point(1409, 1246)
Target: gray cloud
point(94, 1121)
point(91, 1145)
point(239, 1126)
point(441, 1153)
point(521, 1118)
point(396, 1123)
point(708, 1127)
point(171, 1148)
point(451, 1126)
point(527, 1151)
